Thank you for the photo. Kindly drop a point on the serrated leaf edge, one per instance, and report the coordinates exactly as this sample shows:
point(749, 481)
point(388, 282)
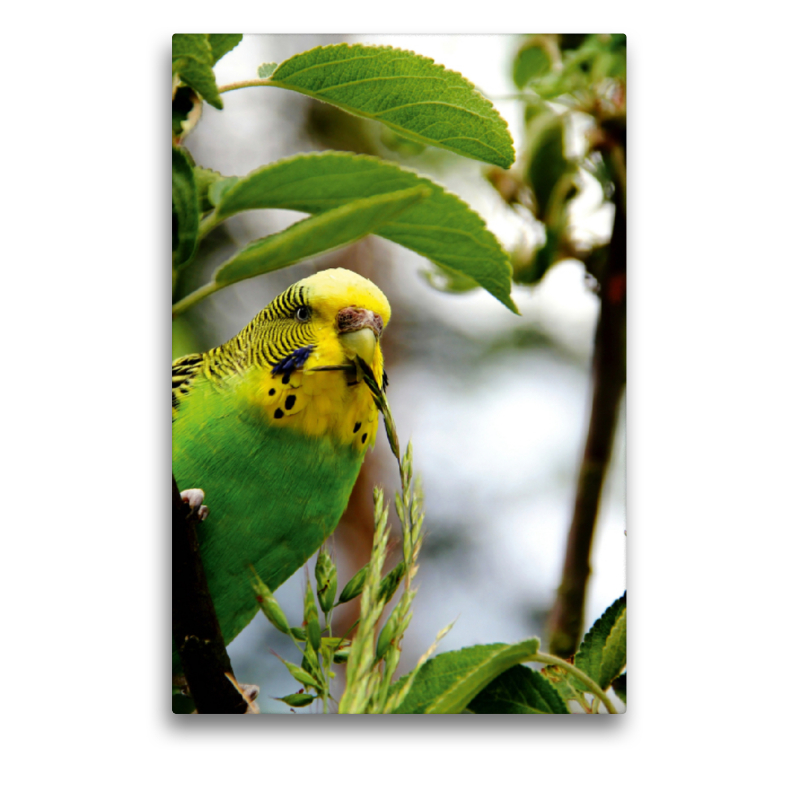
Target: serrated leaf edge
point(339, 155)
point(613, 611)
point(612, 641)
point(493, 115)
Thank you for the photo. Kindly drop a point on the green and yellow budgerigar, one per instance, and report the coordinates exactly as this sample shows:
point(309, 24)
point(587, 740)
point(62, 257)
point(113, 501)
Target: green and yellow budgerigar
point(273, 426)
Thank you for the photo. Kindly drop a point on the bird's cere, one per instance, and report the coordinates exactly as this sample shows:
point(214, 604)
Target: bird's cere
point(359, 330)
point(354, 319)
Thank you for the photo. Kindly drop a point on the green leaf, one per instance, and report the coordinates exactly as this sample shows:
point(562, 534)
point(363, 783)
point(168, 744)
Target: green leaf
point(205, 179)
point(192, 59)
point(318, 234)
point(400, 144)
point(222, 43)
point(409, 93)
point(542, 259)
point(614, 652)
point(442, 228)
point(201, 78)
point(602, 654)
point(266, 69)
point(192, 45)
point(620, 687)
point(562, 682)
point(185, 209)
point(595, 58)
point(531, 62)
point(447, 683)
point(519, 690)
point(546, 163)
point(220, 188)
point(447, 280)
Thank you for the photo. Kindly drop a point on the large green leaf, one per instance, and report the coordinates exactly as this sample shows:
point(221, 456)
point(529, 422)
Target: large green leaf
point(185, 209)
point(192, 45)
point(602, 654)
point(222, 43)
point(409, 93)
point(447, 683)
point(519, 690)
point(192, 60)
point(317, 234)
point(442, 228)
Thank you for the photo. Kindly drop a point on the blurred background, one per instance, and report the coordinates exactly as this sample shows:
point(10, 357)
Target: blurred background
point(497, 405)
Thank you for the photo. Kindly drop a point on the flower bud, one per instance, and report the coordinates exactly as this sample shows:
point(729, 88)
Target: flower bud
point(388, 633)
point(325, 573)
point(301, 676)
point(390, 582)
point(269, 605)
point(340, 656)
point(311, 618)
point(354, 586)
point(297, 700)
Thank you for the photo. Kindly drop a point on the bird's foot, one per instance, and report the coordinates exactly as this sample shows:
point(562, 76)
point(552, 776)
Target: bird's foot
point(194, 499)
point(249, 691)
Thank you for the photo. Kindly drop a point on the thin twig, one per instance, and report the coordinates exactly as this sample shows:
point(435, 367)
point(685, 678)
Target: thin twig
point(591, 686)
point(194, 297)
point(608, 369)
point(229, 87)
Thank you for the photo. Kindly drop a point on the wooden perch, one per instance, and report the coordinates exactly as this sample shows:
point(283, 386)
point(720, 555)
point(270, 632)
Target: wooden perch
point(195, 628)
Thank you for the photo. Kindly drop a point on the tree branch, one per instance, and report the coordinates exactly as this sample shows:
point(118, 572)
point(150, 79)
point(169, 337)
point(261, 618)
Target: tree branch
point(608, 370)
point(195, 628)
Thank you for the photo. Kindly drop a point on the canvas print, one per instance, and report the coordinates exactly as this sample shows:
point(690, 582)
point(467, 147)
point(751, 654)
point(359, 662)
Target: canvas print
point(398, 378)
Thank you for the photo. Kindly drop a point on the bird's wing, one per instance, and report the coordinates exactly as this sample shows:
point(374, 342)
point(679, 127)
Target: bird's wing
point(184, 372)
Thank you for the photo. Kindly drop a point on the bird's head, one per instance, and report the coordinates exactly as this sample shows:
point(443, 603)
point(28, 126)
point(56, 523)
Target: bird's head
point(347, 314)
point(321, 323)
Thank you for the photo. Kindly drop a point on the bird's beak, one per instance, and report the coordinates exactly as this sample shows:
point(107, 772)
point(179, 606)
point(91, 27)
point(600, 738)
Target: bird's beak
point(359, 331)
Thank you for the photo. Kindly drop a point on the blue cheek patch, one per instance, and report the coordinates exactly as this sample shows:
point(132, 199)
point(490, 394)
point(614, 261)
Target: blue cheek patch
point(292, 362)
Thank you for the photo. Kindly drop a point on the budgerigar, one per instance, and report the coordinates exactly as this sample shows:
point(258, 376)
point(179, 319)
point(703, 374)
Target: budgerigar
point(273, 426)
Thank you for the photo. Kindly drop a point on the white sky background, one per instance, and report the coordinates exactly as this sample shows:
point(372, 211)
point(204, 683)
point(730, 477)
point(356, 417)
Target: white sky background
point(505, 453)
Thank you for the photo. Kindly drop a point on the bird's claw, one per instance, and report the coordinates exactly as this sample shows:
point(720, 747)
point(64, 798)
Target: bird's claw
point(194, 499)
point(250, 692)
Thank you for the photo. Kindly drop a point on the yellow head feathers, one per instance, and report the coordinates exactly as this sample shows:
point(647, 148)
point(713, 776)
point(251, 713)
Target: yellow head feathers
point(335, 289)
point(304, 346)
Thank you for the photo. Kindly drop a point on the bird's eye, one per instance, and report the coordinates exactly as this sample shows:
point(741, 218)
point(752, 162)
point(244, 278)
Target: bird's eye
point(303, 314)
